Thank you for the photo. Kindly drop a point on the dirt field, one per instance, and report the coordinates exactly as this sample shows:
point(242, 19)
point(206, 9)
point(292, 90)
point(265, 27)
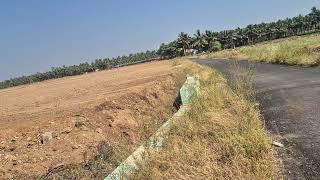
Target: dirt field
point(83, 126)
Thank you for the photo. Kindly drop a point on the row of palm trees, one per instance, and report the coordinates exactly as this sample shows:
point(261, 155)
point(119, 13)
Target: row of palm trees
point(98, 64)
point(208, 41)
point(213, 41)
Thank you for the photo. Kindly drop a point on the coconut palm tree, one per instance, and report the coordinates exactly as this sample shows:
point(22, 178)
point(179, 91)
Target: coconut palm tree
point(183, 42)
point(200, 41)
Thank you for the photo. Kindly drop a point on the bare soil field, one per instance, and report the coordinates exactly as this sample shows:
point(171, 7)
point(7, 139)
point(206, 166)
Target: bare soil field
point(83, 126)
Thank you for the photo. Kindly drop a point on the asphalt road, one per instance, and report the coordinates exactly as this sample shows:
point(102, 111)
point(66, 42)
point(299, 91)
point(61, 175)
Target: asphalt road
point(289, 98)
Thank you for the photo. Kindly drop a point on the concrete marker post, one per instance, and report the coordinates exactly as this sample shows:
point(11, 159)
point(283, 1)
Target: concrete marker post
point(190, 89)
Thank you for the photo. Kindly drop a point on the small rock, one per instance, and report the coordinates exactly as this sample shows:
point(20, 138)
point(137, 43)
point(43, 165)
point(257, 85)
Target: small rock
point(67, 130)
point(8, 176)
point(278, 144)
point(125, 133)
point(29, 139)
point(54, 135)
point(30, 144)
point(75, 146)
point(84, 128)
point(46, 137)
point(2, 146)
point(99, 130)
point(79, 124)
point(10, 157)
point(12, 148)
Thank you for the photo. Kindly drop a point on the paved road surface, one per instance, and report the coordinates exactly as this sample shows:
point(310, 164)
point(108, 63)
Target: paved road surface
point(289, 100)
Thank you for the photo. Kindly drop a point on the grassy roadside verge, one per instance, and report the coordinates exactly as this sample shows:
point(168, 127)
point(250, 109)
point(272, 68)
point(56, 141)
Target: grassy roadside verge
point(301, 50)
point(221, 137)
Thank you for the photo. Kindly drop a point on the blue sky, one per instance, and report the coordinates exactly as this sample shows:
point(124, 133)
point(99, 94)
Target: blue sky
point(38, 34)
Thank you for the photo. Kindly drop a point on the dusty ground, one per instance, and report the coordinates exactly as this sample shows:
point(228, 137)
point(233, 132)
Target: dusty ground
point(82, 126)
point(289, 101)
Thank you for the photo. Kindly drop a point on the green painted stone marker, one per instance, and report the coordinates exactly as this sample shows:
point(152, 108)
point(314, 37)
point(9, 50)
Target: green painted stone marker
point(190, 89)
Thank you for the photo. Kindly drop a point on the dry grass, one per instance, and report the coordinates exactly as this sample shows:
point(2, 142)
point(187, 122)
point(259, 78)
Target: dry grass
point(221, 137)
point(304, 50)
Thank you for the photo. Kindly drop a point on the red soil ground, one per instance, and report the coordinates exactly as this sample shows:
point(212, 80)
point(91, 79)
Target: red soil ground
point(73, 126)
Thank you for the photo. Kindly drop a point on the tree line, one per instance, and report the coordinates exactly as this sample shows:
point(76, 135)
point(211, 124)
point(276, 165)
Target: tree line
point(98, 64)
point(209, 41)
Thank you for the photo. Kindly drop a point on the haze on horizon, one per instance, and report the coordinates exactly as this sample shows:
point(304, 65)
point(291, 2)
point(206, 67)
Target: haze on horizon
point(36, 35)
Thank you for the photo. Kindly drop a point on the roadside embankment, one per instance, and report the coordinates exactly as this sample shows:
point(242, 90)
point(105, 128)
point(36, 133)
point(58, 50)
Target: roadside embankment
point(301, 50)
point(221, 136)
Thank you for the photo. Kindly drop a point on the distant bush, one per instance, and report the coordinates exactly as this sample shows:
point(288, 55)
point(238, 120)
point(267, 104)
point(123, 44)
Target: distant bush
point(216, 46)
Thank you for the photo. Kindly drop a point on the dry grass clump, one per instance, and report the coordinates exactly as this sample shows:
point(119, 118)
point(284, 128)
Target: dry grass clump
point(304, 50)
point(221, 136)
